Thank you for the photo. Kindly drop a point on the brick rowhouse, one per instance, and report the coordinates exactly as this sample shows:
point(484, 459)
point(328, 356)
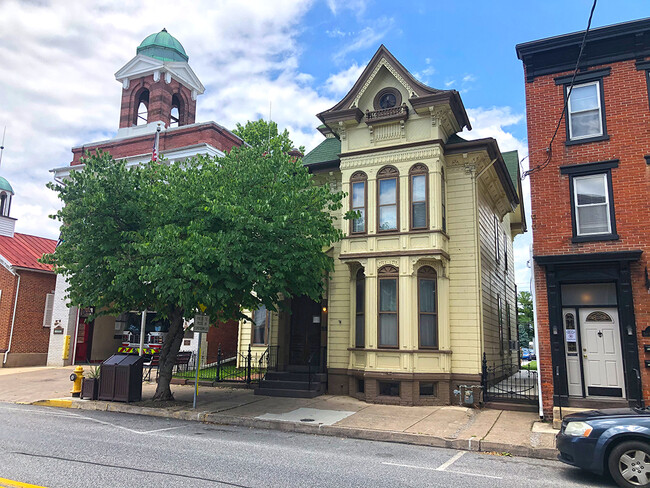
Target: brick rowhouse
point(607, 168)
point(159, 93)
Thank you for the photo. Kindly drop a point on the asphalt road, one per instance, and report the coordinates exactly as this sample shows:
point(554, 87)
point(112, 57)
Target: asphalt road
point(71, 448)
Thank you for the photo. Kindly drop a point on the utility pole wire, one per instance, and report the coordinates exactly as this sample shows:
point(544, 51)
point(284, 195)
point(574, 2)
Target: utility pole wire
point(2, 145)
point(549, 148)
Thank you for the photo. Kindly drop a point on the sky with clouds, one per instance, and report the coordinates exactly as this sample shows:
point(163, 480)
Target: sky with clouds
point(57, 86)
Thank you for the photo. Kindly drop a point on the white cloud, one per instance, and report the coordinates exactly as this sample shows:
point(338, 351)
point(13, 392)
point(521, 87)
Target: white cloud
point(358, 7)
point(449, 84)
point(59, 90)
point(468, 78)
point(493, 122)
point(340, 83)
point(336, 33)
point(368, 36)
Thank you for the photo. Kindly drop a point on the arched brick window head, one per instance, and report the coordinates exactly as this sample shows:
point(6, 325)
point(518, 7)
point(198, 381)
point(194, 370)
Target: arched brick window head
point(142, 115)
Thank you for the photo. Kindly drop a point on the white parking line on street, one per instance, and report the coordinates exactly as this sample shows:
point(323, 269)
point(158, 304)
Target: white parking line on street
point(82, 417)
point(446, 464)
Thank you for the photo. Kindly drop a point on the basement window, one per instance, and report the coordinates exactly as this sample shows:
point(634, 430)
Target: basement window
point(389, 388)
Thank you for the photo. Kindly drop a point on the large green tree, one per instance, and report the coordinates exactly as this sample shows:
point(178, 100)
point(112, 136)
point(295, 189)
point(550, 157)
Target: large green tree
point(229, 233)
point(525, 318)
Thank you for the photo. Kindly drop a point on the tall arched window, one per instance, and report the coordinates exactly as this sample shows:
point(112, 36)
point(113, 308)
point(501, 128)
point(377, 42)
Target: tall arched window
point(388, 307)
point(174, 116)
point(419, 183)
point(428, 307)
point(360, 310)
point(388, 199)
point(142, 115)
point(359, 201)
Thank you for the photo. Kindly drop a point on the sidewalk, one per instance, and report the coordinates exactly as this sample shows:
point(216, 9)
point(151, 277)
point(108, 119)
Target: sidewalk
point(487, 430)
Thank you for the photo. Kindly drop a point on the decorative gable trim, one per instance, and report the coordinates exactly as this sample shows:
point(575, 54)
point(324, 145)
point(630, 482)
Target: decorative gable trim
point(382, 63)
point(142, 65)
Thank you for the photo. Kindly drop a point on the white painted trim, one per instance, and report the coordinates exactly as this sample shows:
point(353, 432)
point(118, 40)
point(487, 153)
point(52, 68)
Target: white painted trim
point(142, 65)
point(13, 321)
point(177, 154)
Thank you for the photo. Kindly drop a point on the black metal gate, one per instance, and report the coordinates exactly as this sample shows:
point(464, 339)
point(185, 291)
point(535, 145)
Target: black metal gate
point(507, 381)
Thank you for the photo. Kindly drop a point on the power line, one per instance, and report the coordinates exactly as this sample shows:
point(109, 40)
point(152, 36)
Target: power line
point(549, 148)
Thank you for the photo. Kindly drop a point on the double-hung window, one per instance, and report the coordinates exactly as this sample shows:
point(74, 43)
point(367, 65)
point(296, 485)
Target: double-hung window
point(360, 310)
point(359, 190)
point(260, 325)
point(585, 106)
point(427, 308)
point(592, 205)
point(585, 111)
point(387, 198)
point(419, 197)
point(388, 307)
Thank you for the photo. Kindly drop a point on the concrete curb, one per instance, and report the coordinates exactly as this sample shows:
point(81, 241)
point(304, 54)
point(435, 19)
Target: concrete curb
point(473, 444)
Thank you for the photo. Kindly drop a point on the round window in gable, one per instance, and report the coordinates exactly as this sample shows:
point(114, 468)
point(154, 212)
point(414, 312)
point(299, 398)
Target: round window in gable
point(387, 98)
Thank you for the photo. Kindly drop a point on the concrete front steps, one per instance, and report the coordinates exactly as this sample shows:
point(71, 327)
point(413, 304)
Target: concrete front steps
point(292, 384)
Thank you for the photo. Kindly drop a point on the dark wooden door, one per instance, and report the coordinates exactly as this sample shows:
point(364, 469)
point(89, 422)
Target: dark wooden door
point(305, 332)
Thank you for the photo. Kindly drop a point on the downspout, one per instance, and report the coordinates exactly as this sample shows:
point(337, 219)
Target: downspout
point(13, 318)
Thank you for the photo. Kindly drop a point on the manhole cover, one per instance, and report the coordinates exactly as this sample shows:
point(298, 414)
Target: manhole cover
point(306, 420)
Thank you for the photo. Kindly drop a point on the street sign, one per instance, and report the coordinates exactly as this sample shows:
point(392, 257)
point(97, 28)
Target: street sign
point(201, 323)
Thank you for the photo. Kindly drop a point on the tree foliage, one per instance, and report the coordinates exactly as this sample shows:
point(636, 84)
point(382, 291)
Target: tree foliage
point(525, 319)
point(258, 134)
point(228, 233)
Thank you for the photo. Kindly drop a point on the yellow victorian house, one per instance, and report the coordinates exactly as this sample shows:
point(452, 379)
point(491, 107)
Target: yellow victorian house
point(423, 283)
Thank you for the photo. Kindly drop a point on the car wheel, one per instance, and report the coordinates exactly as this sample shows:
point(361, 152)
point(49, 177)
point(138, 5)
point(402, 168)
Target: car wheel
point(629, 464)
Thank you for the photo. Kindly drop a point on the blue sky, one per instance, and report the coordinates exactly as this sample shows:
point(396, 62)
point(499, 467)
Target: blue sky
point(57, 88)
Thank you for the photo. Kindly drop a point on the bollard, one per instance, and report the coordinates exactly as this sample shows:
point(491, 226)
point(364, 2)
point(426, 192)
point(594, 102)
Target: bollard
point(76, 378)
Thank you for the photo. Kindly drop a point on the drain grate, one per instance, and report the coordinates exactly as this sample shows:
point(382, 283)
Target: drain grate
point(306, 420)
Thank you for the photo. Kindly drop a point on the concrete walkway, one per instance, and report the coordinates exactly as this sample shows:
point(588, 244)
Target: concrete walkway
point(488, 430)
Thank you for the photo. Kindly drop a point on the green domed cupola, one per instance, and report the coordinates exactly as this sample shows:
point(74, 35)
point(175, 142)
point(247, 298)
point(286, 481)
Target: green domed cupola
point(5, 186)
point(162, 46)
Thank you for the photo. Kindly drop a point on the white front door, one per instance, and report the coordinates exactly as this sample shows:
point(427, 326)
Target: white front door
point(601, 352)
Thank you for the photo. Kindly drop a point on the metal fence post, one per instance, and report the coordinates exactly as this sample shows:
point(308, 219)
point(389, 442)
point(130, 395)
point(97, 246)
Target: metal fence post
point(484, 377)
point(219, 363)
point(248, 365)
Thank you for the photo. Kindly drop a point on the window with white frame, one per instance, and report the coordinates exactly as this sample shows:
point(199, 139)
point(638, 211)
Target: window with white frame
point(260, 325)
point(584, 111)
point(591, 200)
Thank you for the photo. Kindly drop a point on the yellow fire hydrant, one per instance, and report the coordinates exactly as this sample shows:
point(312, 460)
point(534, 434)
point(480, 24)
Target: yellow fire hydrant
point(76, 378)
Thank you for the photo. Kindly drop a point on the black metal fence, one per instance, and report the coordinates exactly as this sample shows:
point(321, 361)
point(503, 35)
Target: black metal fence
point(507, 381)
point(241, 368)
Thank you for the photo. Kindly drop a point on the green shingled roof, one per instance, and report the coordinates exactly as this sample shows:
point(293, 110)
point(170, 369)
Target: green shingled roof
point(163, 46)
point(4, 185)
point(328, 150)
point(511, 158)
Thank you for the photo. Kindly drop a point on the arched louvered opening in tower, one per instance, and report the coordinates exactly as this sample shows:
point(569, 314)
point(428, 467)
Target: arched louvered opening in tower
point(142, 113)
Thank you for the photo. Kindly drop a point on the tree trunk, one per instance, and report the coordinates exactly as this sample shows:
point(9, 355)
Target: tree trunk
point(168, 354)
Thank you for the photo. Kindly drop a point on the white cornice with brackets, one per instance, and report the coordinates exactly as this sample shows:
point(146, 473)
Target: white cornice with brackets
point(143, 65)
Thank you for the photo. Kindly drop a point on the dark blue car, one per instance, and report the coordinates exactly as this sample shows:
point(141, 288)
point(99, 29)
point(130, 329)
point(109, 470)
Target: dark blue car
point(611, 440)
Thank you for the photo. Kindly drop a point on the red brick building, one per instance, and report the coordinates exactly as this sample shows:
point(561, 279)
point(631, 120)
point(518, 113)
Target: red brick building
point(158, 110)
point(590, 214)
point(26, 291)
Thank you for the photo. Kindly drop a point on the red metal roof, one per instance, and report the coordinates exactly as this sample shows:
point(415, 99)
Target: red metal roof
point(23, 250)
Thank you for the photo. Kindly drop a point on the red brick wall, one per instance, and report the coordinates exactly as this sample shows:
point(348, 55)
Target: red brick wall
point(8, 287)
point(628, 125)
point(160, 101)
point(224, 334)
point(209, 133)
point(29, 333)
